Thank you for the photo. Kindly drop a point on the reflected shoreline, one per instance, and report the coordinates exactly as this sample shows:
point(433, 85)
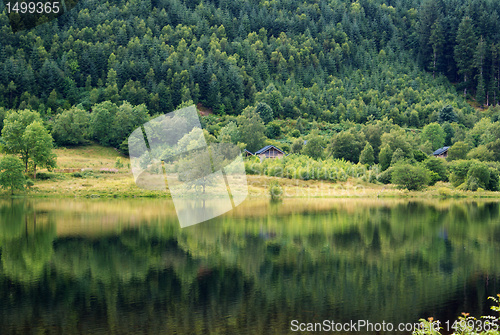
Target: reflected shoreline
point(109, 266)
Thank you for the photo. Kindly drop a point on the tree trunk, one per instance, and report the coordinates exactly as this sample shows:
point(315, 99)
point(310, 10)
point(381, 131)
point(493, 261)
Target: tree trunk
point(34, 175)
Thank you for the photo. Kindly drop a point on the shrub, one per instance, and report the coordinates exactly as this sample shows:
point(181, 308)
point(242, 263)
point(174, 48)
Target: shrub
point(412, 177)
point(438, 166)
point(458, 151)
point(444, 192)
point(493, 185)
point(419, 155)
point(459, 170)
point(481, 153)
point(118, 163)
point(464, 324)
point(384, 157)
point(29, 183)
point(385, 177)
point(275, 190)
point(478, 176)
point(44, 175)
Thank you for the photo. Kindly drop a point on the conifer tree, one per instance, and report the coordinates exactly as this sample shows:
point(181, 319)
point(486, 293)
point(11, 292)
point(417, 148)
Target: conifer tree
point(465, 48)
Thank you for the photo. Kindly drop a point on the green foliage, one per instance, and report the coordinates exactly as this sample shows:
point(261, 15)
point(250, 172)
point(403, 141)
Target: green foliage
point(478, 176)
point(386, 176)
point(458, 151)
point(347, 145)
point(297, 146)
point(314, 147)
point(71, 127)
point(305, 168)
point(396, 138)
point(11, 173)
point(447, 114)
point(459, 170)
point(15, 125)
point(466, 45)
point(438, 166)
point(101, 122)
point(273, 130)
point(419, 155)
point(480, 153)
point(252, 131)
point(435, 134)
point(229, 133)
point(118, 163)
point(265, 112)
point(397, 157)
point(126, 120)
point(275, 190)
point(367, 155)
point(40, 145)
point(385, 157)
point(493, 184)
point(465, 324)
point(412, 177)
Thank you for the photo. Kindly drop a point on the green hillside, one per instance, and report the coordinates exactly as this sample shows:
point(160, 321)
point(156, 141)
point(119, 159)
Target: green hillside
point(371, 82)
point(328, 60)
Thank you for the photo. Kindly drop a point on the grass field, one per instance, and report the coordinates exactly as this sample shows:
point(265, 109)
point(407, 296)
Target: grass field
point(97, 183)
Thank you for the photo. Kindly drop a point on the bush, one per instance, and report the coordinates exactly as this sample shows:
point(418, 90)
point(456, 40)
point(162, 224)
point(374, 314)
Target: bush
point(478, 176)
point(438, 166)
point(412, 177)
point(458, 151)
point(493, 185)
point(444, 192)
point(118, 163)
point(275, 190)
point(459, 170)
point(463, 324)
point(385, 177)
point(44, 175)
point(419, 155)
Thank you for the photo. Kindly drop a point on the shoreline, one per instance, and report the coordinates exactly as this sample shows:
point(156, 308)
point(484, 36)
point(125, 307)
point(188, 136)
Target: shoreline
point(122, 185)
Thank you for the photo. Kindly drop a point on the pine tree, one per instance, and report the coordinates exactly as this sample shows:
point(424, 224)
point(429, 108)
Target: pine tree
point(479, 56)
point(466, 46)
point(437, 42)
point(494, 87)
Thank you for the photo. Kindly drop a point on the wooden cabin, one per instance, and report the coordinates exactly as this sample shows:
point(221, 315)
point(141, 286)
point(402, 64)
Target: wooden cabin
point(441, 152)
point(270, 151)
point(247, 153)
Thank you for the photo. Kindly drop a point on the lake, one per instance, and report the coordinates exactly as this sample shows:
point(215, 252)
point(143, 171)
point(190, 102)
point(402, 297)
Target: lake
point(72, 266)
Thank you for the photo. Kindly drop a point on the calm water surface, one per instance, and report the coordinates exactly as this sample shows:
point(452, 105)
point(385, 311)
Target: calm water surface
point(126, 267)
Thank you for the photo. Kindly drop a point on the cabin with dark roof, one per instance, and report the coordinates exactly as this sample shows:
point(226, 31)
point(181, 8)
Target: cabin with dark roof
point(247, 153)
point(270, 151)
point(441, 152)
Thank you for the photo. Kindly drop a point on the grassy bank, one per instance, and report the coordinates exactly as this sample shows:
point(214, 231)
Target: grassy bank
point(103, 179)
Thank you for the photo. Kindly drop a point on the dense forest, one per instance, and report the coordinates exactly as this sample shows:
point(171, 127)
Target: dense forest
point(328, 60)
point(355, 80)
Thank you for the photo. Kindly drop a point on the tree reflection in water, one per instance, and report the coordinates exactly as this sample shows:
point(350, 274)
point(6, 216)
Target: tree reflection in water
point(127, 267)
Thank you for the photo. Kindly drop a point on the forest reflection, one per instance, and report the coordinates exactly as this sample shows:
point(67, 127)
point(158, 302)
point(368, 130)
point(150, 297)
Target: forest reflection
point(117, 266)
